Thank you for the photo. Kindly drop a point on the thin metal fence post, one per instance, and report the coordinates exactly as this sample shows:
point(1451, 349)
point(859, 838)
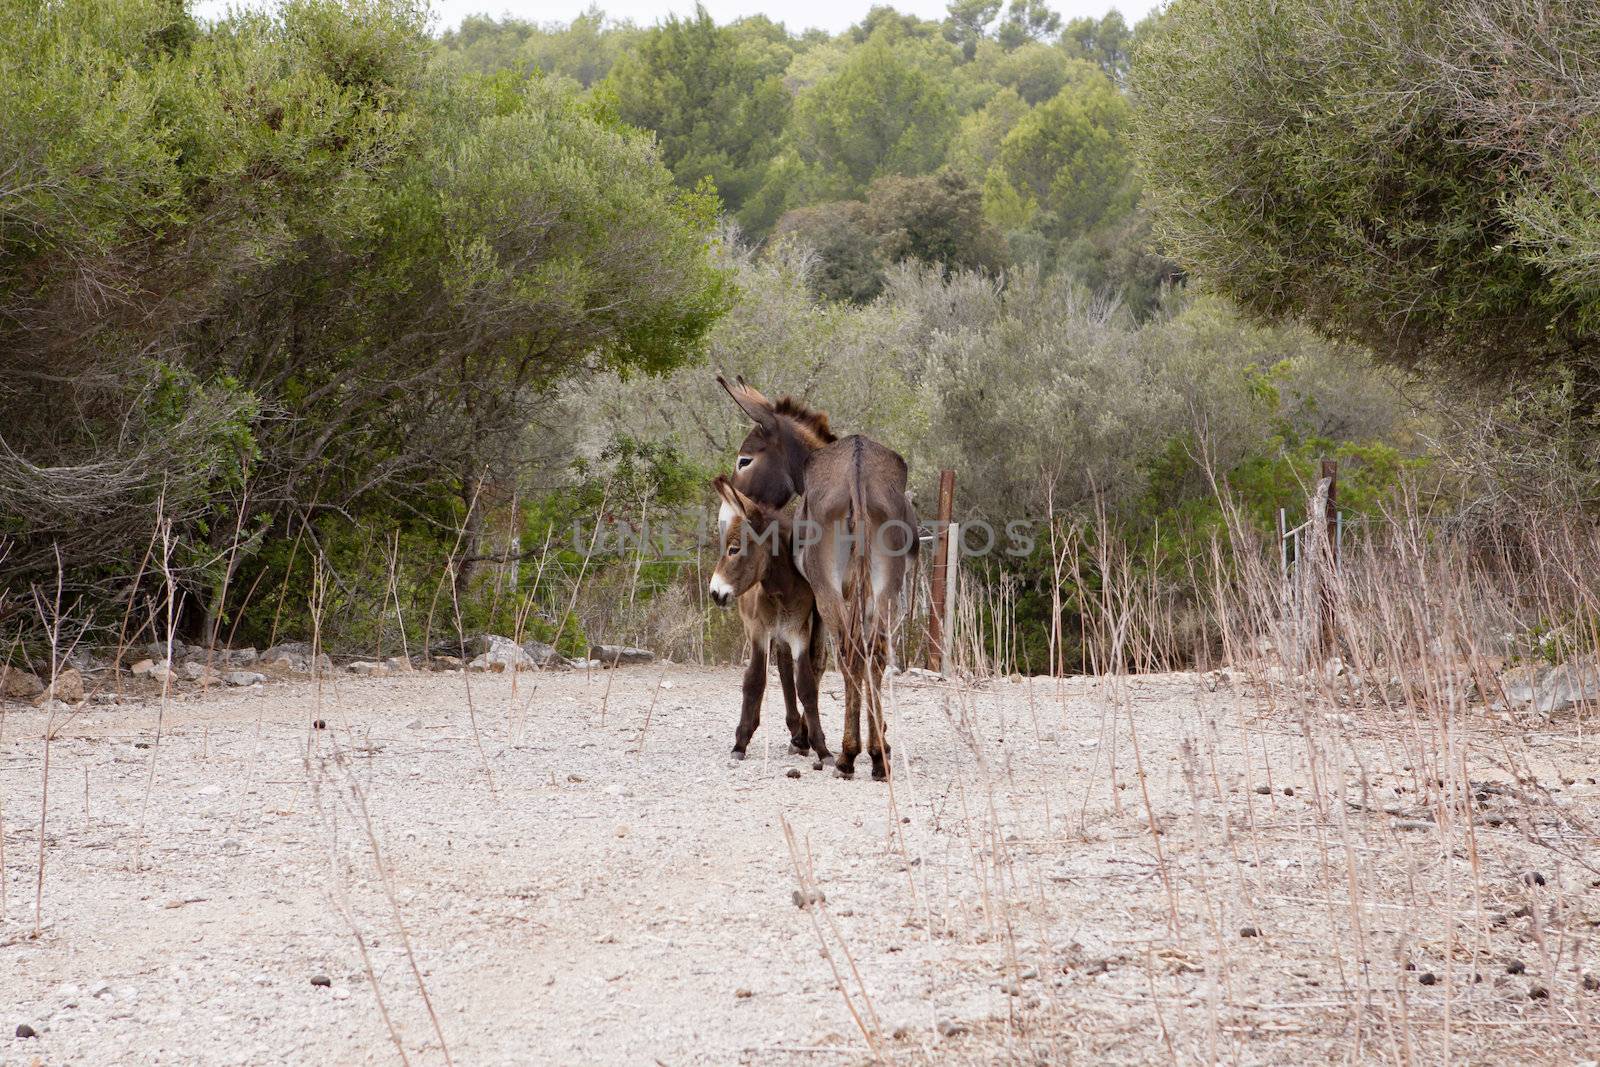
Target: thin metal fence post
point(939, 581)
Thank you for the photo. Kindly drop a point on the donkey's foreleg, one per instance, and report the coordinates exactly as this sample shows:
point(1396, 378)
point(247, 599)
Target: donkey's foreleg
point(798, 742)
point(755, 687)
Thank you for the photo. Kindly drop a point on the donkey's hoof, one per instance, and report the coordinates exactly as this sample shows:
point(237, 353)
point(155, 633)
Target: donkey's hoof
point(797, 749)
point(842, 771)
point(738, 753)
point(825, 761)
point(880, 774)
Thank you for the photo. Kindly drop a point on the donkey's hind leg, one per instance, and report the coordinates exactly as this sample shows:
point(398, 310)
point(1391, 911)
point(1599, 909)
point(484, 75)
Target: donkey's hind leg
point(852, 665)
point(799, 743)
point(877, 728)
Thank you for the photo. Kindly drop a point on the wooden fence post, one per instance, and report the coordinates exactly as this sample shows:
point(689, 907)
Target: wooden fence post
point(940, 576)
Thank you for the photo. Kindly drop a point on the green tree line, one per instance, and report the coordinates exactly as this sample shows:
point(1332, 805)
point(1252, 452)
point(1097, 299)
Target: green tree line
point(993, 138)
point(289, 267)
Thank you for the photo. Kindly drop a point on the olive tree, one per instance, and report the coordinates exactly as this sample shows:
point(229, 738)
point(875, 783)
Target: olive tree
point(1416, 176)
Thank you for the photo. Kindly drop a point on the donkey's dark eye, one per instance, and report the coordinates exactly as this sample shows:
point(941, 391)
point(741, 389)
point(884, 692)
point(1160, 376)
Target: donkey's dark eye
point(733, 550)
point(744, 461)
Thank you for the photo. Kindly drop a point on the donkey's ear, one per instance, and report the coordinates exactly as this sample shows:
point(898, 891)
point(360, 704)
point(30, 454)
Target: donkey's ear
point(741, 504)
point(730, 496)
point(751, 391)
point(751, 402)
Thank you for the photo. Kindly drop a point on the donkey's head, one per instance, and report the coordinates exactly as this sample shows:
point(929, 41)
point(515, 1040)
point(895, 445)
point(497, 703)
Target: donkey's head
point(772, 460)
point(752, 537)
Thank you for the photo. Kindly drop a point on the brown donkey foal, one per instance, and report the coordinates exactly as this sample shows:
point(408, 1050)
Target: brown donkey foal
point(757, 568)
point(855, 531)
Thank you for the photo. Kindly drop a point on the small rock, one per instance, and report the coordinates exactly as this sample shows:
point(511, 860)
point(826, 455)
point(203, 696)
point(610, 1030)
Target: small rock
point(232, 846)
point(1264, 790)
point(743, 994)
point(544, 655)
point(1288, 790)
point(803, 899)
point(367, 668)
point(1532, 878)
point(621, 829)
point(500, 654)
point(1249, 931)
point(321, 980)
point(620, 655)
point(1538, 992)
point(950, 1029)
point(794, 772)
point(1591, 983)
point(319, 724)
point(1552, 689)
point(446, 663)
point(242, 678)
point(24, 1030)
point(18, 684)
point(1428, 978)
point(341, 992)
point(416, 724)
point(67, 688)
point(196, 671)
point(1516, 967)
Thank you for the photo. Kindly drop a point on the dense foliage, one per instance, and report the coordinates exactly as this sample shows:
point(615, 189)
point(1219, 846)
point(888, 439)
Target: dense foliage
point(1046, 400)
point(290, 266)
point(349, 326)
point(1417, 177)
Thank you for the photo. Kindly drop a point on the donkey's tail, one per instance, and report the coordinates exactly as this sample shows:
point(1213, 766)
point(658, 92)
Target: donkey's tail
point(858, 600)
point(858, 573)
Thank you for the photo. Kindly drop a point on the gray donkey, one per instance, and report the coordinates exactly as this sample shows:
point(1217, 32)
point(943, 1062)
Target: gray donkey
point(854, 534)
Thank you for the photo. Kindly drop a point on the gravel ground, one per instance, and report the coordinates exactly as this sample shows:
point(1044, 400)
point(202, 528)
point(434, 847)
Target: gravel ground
point(573, 871)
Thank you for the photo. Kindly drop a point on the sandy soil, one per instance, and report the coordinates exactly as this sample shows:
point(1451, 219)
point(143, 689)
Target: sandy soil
point(574, 872)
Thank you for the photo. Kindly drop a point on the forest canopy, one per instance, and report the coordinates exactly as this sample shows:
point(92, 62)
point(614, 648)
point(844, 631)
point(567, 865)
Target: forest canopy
point(996, 137)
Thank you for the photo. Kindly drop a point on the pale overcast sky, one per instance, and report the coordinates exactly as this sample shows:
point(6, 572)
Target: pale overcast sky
point(831, 15)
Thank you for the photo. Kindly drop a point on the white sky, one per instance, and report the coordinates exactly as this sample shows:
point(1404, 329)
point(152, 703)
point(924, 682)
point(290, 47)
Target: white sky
point(830, 15)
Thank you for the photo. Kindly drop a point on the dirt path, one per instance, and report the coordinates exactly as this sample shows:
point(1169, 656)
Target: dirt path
point(566, 885)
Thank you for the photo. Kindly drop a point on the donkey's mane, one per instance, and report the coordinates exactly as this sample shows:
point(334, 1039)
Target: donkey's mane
point(810, 419)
